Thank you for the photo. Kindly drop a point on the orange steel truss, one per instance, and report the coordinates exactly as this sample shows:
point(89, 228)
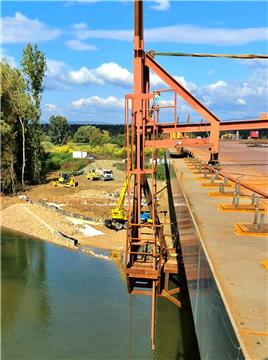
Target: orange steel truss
point(147, 255)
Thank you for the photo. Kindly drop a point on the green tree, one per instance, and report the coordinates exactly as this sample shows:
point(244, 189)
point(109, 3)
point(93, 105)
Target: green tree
point(118, 139)
point(105, 137)
point(16, 109)
point(34, 67)
point(58, 129)
point(91, 135)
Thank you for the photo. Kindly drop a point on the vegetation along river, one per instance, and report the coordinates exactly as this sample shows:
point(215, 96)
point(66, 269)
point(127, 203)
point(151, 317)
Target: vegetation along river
point(63, 304)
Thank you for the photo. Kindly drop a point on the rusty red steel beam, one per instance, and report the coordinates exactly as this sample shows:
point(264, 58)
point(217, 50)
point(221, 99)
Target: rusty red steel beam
point(245, 125)
point(192, 101)
point(224, 126)
point(176, 86)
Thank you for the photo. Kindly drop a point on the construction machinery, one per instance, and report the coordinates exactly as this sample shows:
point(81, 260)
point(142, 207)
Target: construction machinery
point(119, 215)
point(65, 180)
point(146, 217)
point(118, 218)
point(105, 174)
point(92, 175)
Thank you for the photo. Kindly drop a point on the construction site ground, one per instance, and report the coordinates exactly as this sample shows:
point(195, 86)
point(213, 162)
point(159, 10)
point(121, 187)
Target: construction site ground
point(93, 199)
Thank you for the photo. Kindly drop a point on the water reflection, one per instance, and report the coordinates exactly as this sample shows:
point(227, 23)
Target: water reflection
point(23, 267)
point(60, 304)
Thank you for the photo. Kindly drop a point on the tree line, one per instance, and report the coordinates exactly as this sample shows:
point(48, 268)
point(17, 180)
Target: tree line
point(22, 154)
point(21, 148)
point(23, 157)
point(60, 132)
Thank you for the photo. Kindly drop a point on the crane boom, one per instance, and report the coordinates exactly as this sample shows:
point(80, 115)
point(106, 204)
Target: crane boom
point(118, 214)
point(121, 199)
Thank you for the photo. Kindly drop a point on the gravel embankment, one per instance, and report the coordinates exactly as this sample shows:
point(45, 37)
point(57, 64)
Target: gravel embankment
point(40, 222)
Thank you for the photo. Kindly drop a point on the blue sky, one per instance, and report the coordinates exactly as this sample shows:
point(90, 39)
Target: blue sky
point(88, 45)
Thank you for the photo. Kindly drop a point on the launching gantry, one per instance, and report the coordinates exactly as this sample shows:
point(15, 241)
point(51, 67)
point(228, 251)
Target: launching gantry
point(150, 264)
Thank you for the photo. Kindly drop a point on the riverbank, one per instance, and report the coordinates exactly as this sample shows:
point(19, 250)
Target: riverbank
point(43, 223)
point(28, 213)
point(90, 199)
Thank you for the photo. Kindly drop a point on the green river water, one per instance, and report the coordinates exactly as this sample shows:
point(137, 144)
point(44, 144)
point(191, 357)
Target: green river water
point(63, 304)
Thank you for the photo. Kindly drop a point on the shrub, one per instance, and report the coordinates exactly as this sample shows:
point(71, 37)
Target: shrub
point(54, 160)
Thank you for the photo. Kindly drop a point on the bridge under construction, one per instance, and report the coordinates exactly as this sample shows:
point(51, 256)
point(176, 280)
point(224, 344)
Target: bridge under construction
point(217, 206)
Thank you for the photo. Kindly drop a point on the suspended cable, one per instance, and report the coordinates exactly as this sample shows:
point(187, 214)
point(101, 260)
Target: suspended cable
point(230, 56)
point(130, 329)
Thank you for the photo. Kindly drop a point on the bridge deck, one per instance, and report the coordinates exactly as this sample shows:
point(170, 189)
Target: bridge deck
point(235, 260)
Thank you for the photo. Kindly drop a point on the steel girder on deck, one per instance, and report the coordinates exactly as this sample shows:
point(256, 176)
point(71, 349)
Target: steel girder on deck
point(255, 124)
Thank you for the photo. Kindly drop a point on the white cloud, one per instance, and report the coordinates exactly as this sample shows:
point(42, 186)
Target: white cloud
point(241, 102)
point(78, 45)
point(156, 81)
point(83, 76)
point(227, 99)
point(183, 34)
point(86, 33)
point(217, 85)
point(254, 63)
point(161, 5)
point(109, 103)
point(190, 86)
point(50, 107)
point(55, 67)
point(231, 100)
point(107, 73)
point(114, 74)
point(164, 102)
point(20, 29)
point(56, 75)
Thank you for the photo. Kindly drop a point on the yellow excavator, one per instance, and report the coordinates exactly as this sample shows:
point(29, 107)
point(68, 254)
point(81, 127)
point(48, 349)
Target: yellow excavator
point(119, 216)
point(65, 180)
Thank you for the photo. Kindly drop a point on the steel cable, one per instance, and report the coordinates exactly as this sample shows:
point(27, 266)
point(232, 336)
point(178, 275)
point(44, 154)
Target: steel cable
point(229, 56)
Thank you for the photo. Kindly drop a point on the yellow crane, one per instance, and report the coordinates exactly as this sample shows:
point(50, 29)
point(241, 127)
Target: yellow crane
point(119, 216)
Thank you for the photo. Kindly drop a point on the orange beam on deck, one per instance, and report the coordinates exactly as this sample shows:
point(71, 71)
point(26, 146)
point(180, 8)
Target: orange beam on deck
point(224, 126)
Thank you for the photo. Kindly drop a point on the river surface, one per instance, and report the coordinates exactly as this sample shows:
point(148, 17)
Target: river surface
point(63, 304)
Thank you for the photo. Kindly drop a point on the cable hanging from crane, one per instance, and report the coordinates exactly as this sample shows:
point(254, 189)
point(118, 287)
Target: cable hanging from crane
point(230, 56)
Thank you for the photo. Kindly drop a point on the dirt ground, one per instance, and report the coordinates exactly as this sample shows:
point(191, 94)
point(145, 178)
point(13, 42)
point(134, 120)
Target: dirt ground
point(90, 198)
